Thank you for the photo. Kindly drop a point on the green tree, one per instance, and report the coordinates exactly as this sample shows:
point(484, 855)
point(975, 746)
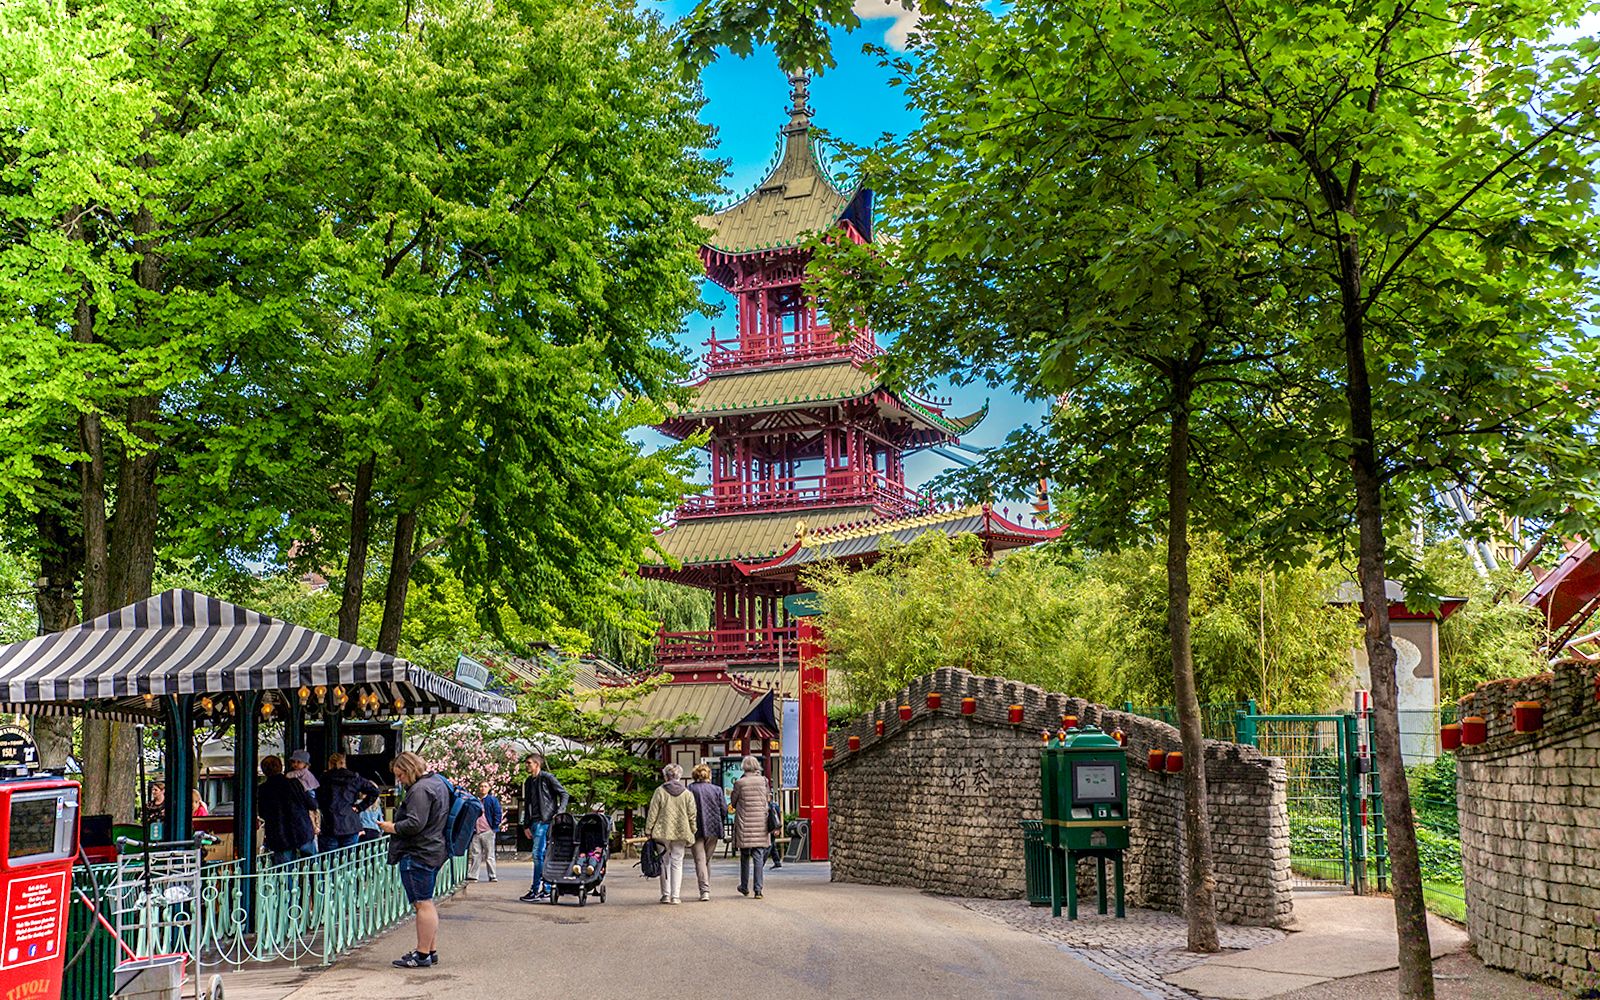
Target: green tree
point(1493, 635)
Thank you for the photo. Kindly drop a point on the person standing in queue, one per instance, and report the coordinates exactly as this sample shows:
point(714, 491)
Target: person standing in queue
point(543, 798)
point(418, 848)
point(343, 795)
point(285, 808)
point(751, 837)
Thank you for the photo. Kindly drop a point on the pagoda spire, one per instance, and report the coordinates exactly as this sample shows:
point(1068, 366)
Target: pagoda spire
point(799, 103)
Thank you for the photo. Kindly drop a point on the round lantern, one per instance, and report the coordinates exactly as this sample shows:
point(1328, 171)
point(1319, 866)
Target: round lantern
point(969, 706)
point(877, 727)
point(1527, 716)
point(1014, 714)
point(905, 713)
point(854, 742)
point(1450, 736)
point(1175, 762)
point(1069, 722)
point(1474, 730)
point(827, 751)
point(934, 700)
point(1044, 736)
point(1158, 759)
point(1120, 736)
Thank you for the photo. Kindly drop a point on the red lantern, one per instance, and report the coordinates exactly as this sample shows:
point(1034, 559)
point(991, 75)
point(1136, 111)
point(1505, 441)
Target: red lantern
point(1527, 716)
point(854, 742)
point(969, 706)
point(1450, 736)
point(1158, 760)
point(905, 713)
point(827, 751)
point(1474, 730)
point(1014, 714)
point(1069, 722)
point(1175, 762)
point(877, 727)
point(934, 699)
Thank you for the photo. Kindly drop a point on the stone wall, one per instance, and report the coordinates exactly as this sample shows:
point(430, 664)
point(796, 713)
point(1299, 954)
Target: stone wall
point(1529, 805)
point(935, 802)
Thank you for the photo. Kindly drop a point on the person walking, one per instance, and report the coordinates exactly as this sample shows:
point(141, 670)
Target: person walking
point(417, 847)
point(542, 799)
point(482, 852)
point(343, 795)
point(285, 808)
point(750, 834)
point(671, 823)
point(710, 805)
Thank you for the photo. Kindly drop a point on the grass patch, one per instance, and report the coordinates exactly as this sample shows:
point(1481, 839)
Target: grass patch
point(1447, 899)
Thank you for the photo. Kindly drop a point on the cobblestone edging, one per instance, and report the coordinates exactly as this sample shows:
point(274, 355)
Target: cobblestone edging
point(935, 801)
point(1529, 806)
point(1136, 952)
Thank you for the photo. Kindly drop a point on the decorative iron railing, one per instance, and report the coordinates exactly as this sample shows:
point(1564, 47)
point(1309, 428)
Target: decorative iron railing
point(311, 910)
point(730, 645)
point(815, 344)
point(841, 486)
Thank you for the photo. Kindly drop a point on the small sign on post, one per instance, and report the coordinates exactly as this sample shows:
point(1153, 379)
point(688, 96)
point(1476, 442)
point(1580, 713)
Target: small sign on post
point(803, 605)
point(17, 748)
point(470, 673)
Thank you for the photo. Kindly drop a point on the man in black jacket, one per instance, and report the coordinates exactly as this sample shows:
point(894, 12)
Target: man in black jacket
point(542, 798)
point(285, 807)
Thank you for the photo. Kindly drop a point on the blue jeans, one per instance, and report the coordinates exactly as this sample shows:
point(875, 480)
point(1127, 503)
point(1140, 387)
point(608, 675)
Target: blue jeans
point(305, 850)
point(333, 841)
point(541, 839)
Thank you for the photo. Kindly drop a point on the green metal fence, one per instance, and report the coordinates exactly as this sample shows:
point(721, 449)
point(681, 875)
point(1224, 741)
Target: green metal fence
point(311, 910)
point(1035, 862)
point(1216, 718)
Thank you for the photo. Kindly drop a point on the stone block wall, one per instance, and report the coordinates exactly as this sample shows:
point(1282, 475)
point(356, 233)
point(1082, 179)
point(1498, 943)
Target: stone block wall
point(935, 802)
point(1529, 806)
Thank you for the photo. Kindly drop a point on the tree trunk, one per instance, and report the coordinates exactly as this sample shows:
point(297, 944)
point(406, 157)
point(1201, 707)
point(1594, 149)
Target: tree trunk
point(355, 564)
point(55, 600)
point(1405, 873)
point(394, 595)
point(132, 552)
point(1200, 905)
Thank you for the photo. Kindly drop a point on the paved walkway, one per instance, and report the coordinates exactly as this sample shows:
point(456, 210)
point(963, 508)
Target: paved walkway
point(807, 940)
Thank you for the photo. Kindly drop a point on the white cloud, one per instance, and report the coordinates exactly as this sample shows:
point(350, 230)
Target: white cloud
point(905, 18)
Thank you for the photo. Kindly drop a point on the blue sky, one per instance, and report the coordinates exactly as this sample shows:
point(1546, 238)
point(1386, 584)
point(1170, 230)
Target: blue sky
point(746, 102)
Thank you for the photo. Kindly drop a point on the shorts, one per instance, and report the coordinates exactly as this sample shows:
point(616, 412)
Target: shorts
point(418, 880)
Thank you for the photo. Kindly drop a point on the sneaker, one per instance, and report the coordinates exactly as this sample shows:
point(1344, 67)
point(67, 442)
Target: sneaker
point(743, 891)
point(416, 960)
point(705, 897)
point(493, 879)
point(758, 895)
point(472, 878)
point(664, 899)
point(529, 897)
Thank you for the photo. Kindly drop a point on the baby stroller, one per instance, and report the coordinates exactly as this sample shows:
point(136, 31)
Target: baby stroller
point(575, 857)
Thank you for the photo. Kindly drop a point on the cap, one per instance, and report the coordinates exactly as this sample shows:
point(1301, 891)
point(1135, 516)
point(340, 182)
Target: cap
point(302, 756)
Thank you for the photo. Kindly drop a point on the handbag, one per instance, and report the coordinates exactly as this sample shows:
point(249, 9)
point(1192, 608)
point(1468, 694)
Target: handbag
point(774, 818)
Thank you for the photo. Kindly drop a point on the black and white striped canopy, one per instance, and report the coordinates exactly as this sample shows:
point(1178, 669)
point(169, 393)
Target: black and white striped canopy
point(181, 642)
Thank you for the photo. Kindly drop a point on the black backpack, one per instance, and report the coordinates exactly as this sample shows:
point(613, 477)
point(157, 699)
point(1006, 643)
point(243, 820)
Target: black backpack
point(650, 859)
point(462, 823)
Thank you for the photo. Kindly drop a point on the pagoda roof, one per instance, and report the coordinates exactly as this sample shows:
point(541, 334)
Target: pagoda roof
point(853, 541)
point(750, 537)
point(786, 386)
point(796, 198)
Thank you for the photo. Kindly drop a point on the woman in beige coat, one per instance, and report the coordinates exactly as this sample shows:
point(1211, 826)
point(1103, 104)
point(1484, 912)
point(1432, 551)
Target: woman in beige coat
point(750, 835)
point(671, 823)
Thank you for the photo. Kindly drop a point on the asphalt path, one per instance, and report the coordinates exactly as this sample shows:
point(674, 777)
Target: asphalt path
point(808, 939)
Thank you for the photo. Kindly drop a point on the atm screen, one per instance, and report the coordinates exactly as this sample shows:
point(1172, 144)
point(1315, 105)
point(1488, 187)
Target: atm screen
point(41, 826)
point(1094, 782)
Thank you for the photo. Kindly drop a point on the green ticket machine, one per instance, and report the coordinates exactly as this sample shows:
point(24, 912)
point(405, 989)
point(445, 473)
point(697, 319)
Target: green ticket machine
point(1084, 778)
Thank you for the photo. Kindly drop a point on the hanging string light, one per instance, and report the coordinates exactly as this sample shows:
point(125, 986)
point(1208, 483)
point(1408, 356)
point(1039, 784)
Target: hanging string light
point(305, 693)
point(266, 707)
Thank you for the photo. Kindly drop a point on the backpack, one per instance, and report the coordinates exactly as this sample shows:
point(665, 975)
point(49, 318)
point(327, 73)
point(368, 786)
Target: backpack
point(650, 859)
point(465, 811)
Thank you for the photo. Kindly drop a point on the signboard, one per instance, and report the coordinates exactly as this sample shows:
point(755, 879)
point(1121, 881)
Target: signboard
point(470, 673)
point(17, 747)
point(802, 605)
point(789, 747)
point(732, 770)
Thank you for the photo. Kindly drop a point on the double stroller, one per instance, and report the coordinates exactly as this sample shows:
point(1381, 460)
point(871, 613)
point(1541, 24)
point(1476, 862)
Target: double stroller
point(575, 857)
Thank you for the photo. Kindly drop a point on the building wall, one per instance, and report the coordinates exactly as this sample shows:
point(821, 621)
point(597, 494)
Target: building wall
point(1529, 805)
point(935, 802)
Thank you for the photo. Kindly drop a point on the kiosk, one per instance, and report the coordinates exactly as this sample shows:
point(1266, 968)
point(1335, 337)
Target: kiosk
point(1084, 778)
point(38, 844)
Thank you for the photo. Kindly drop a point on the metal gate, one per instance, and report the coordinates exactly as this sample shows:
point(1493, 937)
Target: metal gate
point(1335, 810)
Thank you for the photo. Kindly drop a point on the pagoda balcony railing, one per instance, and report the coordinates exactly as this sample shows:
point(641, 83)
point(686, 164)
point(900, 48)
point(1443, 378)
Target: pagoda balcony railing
point(816, 344)
point(727, 645)
point(831, 489)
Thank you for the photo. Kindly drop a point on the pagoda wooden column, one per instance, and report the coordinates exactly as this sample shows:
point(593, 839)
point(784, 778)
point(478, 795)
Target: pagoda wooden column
point(813, 734)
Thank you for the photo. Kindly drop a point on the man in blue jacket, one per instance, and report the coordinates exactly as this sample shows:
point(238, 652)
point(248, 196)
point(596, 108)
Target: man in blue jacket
point(481, 854)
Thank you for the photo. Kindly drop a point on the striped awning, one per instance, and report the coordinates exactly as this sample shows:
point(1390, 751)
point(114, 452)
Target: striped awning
point(181, 642)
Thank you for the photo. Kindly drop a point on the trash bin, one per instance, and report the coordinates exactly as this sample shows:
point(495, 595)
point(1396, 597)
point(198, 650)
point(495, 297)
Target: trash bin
point(1035, 862)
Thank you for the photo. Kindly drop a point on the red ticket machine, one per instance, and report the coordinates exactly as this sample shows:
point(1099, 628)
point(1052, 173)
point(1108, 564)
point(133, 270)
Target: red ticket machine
point(38, 842)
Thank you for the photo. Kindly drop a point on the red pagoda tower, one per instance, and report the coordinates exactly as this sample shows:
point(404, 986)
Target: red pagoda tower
point(807, 445)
